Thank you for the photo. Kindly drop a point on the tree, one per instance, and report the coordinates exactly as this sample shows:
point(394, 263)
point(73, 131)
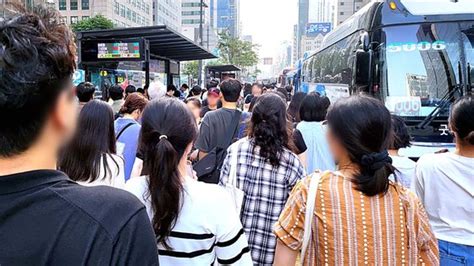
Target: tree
point(97, 22)
point(237, 52)
point(191, 69)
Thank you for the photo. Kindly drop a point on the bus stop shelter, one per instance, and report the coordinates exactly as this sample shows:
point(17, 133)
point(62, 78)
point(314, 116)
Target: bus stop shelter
point(221, 72)
point(161, 43)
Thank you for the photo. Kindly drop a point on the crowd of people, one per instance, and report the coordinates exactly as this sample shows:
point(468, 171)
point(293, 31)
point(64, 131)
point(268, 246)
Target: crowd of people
point(233, 174)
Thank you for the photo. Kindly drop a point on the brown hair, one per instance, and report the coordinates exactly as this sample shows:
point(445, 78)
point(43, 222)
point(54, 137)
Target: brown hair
point(134, 101)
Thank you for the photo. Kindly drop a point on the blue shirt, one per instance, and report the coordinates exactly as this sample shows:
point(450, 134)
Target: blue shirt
point(129, 138)
point(318, 155)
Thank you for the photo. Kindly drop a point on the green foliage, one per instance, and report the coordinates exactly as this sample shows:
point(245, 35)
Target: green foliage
point(191, 69)
point(237, 52)
point(97, 22)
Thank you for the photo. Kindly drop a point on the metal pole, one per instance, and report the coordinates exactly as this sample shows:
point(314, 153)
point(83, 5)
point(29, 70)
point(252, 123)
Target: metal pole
point(201, 8)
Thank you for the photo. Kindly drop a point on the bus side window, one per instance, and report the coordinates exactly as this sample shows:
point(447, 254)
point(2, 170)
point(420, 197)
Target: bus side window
point(314, 66)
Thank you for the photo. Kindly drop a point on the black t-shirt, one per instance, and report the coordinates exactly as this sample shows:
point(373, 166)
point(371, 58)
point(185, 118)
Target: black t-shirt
point(299, 141)
point(215, 126)
point(206, 109)
point(47, 219)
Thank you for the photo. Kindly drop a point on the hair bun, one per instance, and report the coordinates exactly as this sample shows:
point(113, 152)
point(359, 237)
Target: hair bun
point(470, 138)
point(376, 160)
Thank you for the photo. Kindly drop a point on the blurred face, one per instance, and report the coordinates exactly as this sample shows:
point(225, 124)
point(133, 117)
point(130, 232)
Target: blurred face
point(212, 100)
point(63, 119)
point(194, 110)
point(256, 91)
point(337, 149)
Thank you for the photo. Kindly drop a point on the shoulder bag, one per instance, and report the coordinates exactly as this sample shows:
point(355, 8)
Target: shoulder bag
point(236, 193)
point(308, 217)
point(208, 169)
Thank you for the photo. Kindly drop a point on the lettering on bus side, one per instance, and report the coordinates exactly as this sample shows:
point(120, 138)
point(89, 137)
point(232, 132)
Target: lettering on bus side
point(419, 46)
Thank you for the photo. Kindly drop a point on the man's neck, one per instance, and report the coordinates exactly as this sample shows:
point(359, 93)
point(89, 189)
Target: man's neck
point(229, 105)
point(33, 159)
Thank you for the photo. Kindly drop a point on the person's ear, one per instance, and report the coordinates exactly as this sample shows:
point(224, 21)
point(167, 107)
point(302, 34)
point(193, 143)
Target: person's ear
point(64, 113)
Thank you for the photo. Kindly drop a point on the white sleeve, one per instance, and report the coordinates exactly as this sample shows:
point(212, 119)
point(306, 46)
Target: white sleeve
point(232, 246)
point(418, 185)
point(137, 168)
point(119, 179)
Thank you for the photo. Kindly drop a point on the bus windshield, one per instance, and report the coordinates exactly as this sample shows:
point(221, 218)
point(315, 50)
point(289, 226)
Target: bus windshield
point(421, 62)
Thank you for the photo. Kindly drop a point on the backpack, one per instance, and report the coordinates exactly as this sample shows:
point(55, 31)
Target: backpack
point(208, 169)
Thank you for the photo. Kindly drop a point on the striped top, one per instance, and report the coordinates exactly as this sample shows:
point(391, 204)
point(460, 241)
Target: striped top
point(350, 228)
point(207, 230)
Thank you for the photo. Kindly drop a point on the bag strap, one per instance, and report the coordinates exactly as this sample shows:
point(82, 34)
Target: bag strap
point(123, 129)
point(308, 218)
point(234, 125)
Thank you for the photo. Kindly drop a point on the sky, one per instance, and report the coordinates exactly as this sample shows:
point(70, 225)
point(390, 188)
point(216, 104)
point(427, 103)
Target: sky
point(270, 22)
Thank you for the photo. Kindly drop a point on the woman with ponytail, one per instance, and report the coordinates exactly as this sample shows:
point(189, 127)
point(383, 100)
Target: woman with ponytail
point(359, 217)
point(444, 182)
point(266, 171)
point(194, 222)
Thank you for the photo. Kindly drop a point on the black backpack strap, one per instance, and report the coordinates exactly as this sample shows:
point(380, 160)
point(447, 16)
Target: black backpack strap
point(233, 128)
point(123, 129)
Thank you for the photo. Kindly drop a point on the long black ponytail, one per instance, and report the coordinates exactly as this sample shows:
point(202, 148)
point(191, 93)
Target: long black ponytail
point(167, 129)
point(363, 126)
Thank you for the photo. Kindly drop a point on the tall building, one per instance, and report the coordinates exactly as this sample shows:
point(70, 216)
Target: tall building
point(320, 11)
point(314, 16)
point(124, 13)
point(343, 9)
point(228, 16)
point(294, 52)
point(191, 21)
point(310, 43)
point(167, 12)
point(303, 6)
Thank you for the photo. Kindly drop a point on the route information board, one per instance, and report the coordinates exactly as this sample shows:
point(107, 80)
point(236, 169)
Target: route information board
point(118, 50)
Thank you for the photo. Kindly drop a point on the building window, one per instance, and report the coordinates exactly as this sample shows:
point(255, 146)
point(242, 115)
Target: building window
point(122, 11)
point(341, 13)
point(342, 3)
point(85, 4)
point(191, 13)
point(73, 5)
point(85, 17)
point(62, 5)
point(191, 21)
point(74, 19)
point(190, 4)
point(116, 8)
point(64, 20)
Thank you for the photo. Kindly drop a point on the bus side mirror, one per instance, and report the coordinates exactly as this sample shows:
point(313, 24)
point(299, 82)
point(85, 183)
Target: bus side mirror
point(362, 71)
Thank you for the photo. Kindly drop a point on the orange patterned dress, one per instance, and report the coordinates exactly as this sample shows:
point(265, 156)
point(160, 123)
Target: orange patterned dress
point(350, 228)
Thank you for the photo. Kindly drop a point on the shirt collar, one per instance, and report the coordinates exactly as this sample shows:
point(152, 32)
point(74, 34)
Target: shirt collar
point(26, 180)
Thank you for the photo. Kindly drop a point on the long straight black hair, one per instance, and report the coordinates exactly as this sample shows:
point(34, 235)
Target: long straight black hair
point(93, 141)
point(168, 127)
point(363, 126)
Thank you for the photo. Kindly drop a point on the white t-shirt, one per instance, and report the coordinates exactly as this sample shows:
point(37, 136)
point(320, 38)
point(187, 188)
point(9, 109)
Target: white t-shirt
point(405, 170)
point(207, 228)
point(116, 178)
point(445, 184)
